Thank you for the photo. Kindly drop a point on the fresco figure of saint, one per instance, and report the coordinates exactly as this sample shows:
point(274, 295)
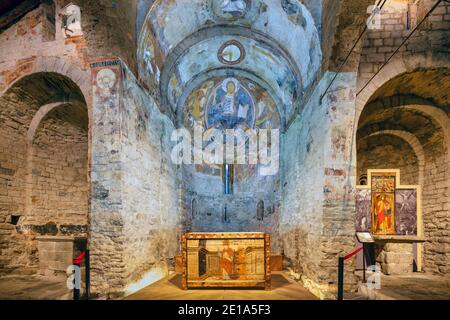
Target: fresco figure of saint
point(226, 260)
point(230, 106)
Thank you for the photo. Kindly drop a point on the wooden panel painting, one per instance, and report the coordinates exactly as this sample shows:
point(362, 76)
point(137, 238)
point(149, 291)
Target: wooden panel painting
point(363, 206)
point(226, 262)
point(383, 203)
point(406, 211)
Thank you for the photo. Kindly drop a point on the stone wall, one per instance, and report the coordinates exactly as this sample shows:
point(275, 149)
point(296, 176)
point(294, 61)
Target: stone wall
point(317, 211)
point(44, 175)
point(59, 186)
point(13, 146)
point(208, 214)
point(109, 29)
point(135, 226)
point(379, 44)
point(426, 50)
point(436, 206)
point(388, 152)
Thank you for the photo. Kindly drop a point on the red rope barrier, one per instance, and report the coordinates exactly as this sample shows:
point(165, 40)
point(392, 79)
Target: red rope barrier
point(353, 253)
point(79, 259)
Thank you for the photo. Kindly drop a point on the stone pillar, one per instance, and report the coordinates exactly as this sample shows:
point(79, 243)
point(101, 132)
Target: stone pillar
point(395, 258)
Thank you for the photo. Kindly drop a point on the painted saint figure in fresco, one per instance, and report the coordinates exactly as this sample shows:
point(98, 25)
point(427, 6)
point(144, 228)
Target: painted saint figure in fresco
point(226, 260)
point(230, 107)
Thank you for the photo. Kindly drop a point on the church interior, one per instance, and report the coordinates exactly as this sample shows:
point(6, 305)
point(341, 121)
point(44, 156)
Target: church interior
point(350, 98)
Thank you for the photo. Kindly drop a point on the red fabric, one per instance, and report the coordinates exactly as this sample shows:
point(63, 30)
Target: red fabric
point(79, 259)
point(353, 253)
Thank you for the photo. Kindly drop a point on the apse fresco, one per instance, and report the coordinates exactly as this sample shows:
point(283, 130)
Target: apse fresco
point(383, 203)
point(230, 106)
point(174, 91)
point(226, 103)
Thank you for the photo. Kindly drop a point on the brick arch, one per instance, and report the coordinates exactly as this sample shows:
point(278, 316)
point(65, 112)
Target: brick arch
point(409, 138)
point(81, 77)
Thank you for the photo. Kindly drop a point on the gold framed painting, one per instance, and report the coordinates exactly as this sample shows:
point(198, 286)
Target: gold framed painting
point(220, 260)
point(383, 203)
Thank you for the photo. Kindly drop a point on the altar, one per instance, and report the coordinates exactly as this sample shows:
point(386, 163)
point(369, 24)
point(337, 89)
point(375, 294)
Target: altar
point(392, 214)
point(238, 260)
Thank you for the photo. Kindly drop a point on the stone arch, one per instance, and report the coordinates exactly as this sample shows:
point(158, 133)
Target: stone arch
point(412, 141)
point(423, 111)
point(45, 121)
point(79, 76)
point(393, 69)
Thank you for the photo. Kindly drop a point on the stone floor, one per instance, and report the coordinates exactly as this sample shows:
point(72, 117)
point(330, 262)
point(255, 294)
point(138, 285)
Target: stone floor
point(417, 286)
point(34, 288)
point(169, 288)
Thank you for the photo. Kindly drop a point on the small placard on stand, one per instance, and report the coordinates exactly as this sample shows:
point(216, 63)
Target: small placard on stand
point(364, 237)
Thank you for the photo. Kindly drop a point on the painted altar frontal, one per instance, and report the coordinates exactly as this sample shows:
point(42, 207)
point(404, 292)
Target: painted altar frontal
point(226, 260)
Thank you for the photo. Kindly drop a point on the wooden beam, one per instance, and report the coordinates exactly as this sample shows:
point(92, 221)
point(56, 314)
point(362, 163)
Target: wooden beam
point(13, 10)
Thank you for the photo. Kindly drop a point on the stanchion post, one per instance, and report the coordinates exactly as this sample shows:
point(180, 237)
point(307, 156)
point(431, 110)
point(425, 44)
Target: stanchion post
point(364, 262)
point(341, 279)
point(88, 274)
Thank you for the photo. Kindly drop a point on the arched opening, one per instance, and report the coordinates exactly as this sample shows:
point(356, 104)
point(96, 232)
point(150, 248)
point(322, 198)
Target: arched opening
point(404, 126)
point(43, 174)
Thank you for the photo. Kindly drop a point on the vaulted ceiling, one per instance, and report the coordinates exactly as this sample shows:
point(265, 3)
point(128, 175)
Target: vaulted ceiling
point(276, 45)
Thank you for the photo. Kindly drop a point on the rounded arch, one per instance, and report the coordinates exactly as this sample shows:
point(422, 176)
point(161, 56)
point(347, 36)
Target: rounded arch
point(45, 110)
point(409, 138)
point(411, 95)
point(44, 131)
point(80, 77)
point(394, 69)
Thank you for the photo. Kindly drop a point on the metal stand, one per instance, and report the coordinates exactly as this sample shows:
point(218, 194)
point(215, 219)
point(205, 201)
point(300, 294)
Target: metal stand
point(341, 279)
point(364, 263)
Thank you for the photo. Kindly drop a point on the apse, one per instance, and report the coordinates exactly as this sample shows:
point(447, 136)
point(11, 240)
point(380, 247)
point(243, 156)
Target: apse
point(221, 65)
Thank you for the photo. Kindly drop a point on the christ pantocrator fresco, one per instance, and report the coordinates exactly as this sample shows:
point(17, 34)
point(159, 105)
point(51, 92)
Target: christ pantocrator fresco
point(230, 106)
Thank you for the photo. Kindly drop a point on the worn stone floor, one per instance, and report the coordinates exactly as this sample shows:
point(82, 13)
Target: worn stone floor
point(416, 286)
point(34, 288)
point(169, 288)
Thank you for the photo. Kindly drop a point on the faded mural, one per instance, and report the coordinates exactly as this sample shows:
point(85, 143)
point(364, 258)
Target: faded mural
point(226, 103)
point(406, 211)
point(363, 207)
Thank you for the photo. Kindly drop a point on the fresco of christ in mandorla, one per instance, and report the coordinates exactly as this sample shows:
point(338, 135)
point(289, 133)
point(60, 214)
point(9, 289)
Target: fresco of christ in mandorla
point(230, 106)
